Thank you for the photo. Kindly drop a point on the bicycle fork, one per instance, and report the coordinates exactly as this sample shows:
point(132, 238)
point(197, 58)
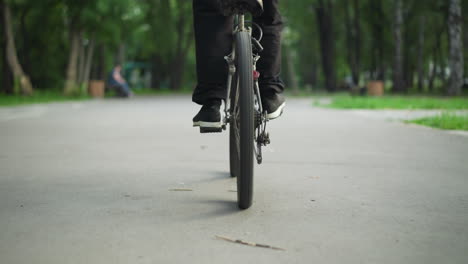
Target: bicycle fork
point(227, 103)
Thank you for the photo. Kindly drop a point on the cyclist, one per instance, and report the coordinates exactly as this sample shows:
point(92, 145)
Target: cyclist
point(213, 39)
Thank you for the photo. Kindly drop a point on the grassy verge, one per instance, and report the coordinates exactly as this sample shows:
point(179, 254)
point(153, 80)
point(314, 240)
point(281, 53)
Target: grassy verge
point(398, 102)
point(37, 98)
point(160, 92)
point(446, 121)
point(57, 96)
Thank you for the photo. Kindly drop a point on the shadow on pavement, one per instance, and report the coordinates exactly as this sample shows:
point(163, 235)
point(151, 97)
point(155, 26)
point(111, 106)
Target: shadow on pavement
point(212, 177)
point(212, 208)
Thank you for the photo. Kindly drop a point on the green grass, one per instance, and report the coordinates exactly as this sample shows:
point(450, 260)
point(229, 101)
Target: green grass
point(398, 102)
point(57, 96)
point(446, 121)
point(37, 98)
point(148, 91)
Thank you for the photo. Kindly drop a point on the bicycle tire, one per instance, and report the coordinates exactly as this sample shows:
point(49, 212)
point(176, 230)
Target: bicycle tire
point(233, 140)
point(244, 64)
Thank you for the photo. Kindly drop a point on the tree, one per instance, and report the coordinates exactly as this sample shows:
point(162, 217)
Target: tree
point(420, 67)
point(170, 39)
point(377, 20)
point(288, 54)
point(75, 10)
point(87, 62)
point(6, 75)
point(22, 82)
point(398, 83)
point(327, 42)
point(456, 51)
point(71, 85)
point(301, 45)
point(104, 23)
point(353, 38)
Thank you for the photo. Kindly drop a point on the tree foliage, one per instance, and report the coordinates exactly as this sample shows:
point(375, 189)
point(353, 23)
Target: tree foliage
point(327, 43)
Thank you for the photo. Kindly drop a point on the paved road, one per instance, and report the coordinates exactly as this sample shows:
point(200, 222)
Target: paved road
point(91, 182)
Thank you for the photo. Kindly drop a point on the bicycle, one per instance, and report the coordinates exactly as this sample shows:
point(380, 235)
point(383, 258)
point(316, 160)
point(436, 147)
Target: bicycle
point(243, 107)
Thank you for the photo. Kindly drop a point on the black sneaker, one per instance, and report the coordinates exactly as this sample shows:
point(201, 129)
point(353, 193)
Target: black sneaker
point(209, 115)
point(274, 105)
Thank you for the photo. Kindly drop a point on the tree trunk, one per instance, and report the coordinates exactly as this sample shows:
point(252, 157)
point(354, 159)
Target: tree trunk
point(7, 76)
point(71, 86)
point(121, 54)
point(456, 49)
point(327, 43)
point(357, 41)
point(441, 72)
point(100, 70)
point(398, 83)
point(422, 21)
point(378, 41)
point(81, 60)
point(349, 37)
point(177, 72)
point(88, 63)
point(21, 80)
point(313, 73)
point(292, 78)
point(432, 76)
point(310, 72)
point(156, 72)
point(184, 42)
point(353, 39)
point(435, 59)
point(178, 66)
point(24, 53)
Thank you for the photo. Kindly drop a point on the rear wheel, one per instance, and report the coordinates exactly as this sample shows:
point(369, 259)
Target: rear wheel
point(244, 118)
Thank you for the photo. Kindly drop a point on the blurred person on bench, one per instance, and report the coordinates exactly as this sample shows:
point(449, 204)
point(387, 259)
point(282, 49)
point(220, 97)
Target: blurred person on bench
point(116, 82)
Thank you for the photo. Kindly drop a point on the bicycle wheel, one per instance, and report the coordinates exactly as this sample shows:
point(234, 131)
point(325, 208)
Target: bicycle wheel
point(245, 118)
point(234, 130)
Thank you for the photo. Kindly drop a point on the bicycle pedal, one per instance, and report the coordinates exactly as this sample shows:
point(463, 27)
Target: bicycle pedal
point(204, 130)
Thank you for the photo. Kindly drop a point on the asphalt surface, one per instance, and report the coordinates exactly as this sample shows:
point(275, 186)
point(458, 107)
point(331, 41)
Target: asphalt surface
point(101, 182)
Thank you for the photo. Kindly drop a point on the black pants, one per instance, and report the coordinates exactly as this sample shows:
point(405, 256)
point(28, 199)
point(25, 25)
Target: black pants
point(213, 39)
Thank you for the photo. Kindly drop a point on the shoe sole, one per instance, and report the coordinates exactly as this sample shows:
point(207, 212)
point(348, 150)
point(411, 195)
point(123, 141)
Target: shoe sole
point(277, 113)
point(202, 124)
point(205, 130)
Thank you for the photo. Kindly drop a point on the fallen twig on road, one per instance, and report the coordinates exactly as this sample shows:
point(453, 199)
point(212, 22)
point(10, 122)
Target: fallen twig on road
point(252, 244)
point(180, 190)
